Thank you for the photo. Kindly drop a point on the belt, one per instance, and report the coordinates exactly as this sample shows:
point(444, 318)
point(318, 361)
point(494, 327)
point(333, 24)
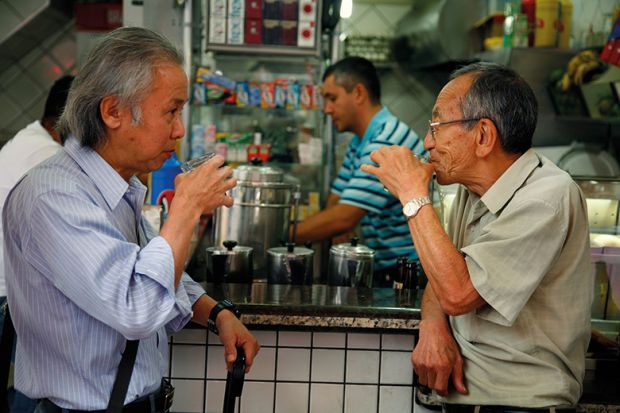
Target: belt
point(471, 408)
point(159, 401)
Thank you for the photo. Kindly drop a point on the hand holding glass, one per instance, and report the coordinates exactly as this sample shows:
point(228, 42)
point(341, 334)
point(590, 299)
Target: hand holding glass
point(196, 162)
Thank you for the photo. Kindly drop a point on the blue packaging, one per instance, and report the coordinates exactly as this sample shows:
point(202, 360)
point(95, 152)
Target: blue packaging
point(162, 183)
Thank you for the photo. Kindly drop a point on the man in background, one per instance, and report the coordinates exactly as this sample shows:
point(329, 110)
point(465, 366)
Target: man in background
point(352, 97)
point(506, 312)
point(91, 284)
point(31, 145)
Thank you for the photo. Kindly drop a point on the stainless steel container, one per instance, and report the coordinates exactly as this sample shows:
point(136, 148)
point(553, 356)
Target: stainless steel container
point(260, 215)
point(290, 265)
point(231, 263)
point(351, 264)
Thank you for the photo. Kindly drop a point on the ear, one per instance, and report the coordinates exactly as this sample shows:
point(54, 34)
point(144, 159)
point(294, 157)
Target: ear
point(360, 94)
point(111, 113)
point(487, 137)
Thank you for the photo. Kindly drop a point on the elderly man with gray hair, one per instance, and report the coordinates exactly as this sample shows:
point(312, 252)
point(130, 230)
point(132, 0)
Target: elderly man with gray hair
point(93, 290)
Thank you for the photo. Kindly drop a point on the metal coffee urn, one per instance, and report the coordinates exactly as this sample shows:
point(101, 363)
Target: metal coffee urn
point(260, 215)
point(351, 265)
point(229, 264)
point(290, 265)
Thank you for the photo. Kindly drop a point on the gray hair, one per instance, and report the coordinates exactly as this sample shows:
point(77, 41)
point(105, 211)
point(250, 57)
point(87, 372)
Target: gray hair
point(500, 94)
point(121, 65)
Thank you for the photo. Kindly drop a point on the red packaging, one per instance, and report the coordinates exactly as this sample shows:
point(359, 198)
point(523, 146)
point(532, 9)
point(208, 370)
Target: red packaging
point(306, 98)
point(261, 151)
point(289, 32)
point(606, 52)
point(614, 57)
point(528, 7)
point(253, 9)
point(290, 9)
point(267, 95)
point(253, 31)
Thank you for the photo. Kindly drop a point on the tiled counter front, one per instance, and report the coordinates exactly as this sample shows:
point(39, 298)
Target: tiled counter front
point(298, 371)
point(323, 350)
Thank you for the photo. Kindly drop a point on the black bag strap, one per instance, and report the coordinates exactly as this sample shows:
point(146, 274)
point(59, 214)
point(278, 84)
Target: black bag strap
point(6, 351)
point(123, 376)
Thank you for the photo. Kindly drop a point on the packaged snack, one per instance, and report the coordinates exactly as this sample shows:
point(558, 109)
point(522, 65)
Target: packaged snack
point(280, 94)
point(267, 93)
point(292, 95)
point(255, 94)
point(243, 94)
point(305, 97)
point(199, 94)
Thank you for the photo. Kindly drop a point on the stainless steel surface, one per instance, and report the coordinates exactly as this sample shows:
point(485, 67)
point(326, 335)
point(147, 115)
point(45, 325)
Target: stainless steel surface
point(290, 265)
point(260, 215)
point(230, 264)
point(351, 265)
point(438, 31)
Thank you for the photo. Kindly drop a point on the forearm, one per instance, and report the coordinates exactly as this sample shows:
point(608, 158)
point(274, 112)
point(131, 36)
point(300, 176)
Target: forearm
point(202, 308)
point(443, 264)
point(331, 221)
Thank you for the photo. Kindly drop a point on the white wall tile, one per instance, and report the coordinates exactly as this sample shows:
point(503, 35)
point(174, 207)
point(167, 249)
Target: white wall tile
point(216, 365)
point(326, 398)
point(215, 396)
point(396, 367)
point(257, 397)
point(328, 365)
point(362, 367)
point(188, 396)
point(293, 364)
point(395, 399)
point(294, 339)
point(264, 366)
point(397, 342)
point(213, 339)
point(265, 338)
point(329, 340)
point(191, 335)
point(363, 340)
point(361, 399)
point(291, 398)
point(188, 361)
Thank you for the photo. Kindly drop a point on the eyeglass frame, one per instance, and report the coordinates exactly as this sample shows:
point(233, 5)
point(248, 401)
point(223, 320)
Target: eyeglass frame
point(432, 125)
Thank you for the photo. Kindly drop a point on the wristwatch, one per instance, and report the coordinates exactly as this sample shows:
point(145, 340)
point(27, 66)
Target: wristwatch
point(222, 305)
point(412, 207)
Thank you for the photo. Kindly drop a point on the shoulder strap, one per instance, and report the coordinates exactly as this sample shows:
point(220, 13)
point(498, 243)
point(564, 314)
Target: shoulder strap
point(123, 376)
point(6, 351)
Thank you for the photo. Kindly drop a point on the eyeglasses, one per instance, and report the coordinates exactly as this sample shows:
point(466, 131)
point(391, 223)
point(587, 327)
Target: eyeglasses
point(433, 125)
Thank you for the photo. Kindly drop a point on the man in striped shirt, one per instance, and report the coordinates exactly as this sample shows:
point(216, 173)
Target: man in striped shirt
point(352, 97)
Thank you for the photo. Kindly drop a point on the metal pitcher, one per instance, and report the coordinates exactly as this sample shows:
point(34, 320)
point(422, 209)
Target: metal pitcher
point(290, 265)
point(351, 265)
point(229, 264)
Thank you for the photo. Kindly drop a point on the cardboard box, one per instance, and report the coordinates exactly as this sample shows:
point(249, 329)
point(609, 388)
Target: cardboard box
point(235, 30)
point(290, 10)
point(253, 31)
point(307, 10)
point(236, 8)
point(306, 34)
point(217, 30)
point(272, 9)
point(253, 9)
point(272, 32)
point(217, 8)
point(289, 32)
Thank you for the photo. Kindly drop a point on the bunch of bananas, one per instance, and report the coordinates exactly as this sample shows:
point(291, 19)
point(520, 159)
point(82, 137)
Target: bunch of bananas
point(579, 67)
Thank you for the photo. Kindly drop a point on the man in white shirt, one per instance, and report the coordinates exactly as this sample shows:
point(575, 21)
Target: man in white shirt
point(30, 146)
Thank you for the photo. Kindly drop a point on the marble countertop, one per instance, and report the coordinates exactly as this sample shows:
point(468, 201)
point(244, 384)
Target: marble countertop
point(321, 306)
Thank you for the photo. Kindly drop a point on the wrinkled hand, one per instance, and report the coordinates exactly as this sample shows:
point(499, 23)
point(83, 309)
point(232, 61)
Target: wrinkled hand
point(400, 172)
point(436, 358)
point(207, 185)
point(233, 334)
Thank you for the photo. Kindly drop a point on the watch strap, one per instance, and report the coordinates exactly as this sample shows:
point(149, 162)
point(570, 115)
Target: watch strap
point(222, 305)
point(418, 203)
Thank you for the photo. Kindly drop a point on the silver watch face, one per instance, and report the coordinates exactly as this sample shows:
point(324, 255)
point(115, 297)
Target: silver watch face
point(409, 209)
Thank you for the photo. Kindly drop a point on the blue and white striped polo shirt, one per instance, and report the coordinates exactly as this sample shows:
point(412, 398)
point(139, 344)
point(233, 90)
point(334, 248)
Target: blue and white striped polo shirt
point(384, 226)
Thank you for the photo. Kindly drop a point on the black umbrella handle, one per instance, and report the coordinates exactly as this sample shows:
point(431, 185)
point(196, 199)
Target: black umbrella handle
point(234, 382)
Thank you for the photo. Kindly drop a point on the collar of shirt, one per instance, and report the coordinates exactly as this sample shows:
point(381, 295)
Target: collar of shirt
point(510, 181)
point(111, 185)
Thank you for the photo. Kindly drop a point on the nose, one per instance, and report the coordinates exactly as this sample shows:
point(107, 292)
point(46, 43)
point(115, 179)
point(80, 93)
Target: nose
point(429, 142)
point(178, 129)
point(327, 109)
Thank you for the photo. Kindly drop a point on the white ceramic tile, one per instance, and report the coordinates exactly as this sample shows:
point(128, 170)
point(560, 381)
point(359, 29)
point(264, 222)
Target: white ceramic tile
point(188, 361)
point(362, 366)
point(188, 396)
point(326, 398)
point(191, 335)
point(294, 339)
point(213, 339)
point(395, 399)
point(397, 342)
point(329, 340)
point(291, 398)
point(215, 396)
point(361, 399)
point(396, 367)
point(293, 364)
point(216, 365)
point(257, 397)
point(264, 366)
point(327, 365)
point(362, 340)
point(265, 338)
